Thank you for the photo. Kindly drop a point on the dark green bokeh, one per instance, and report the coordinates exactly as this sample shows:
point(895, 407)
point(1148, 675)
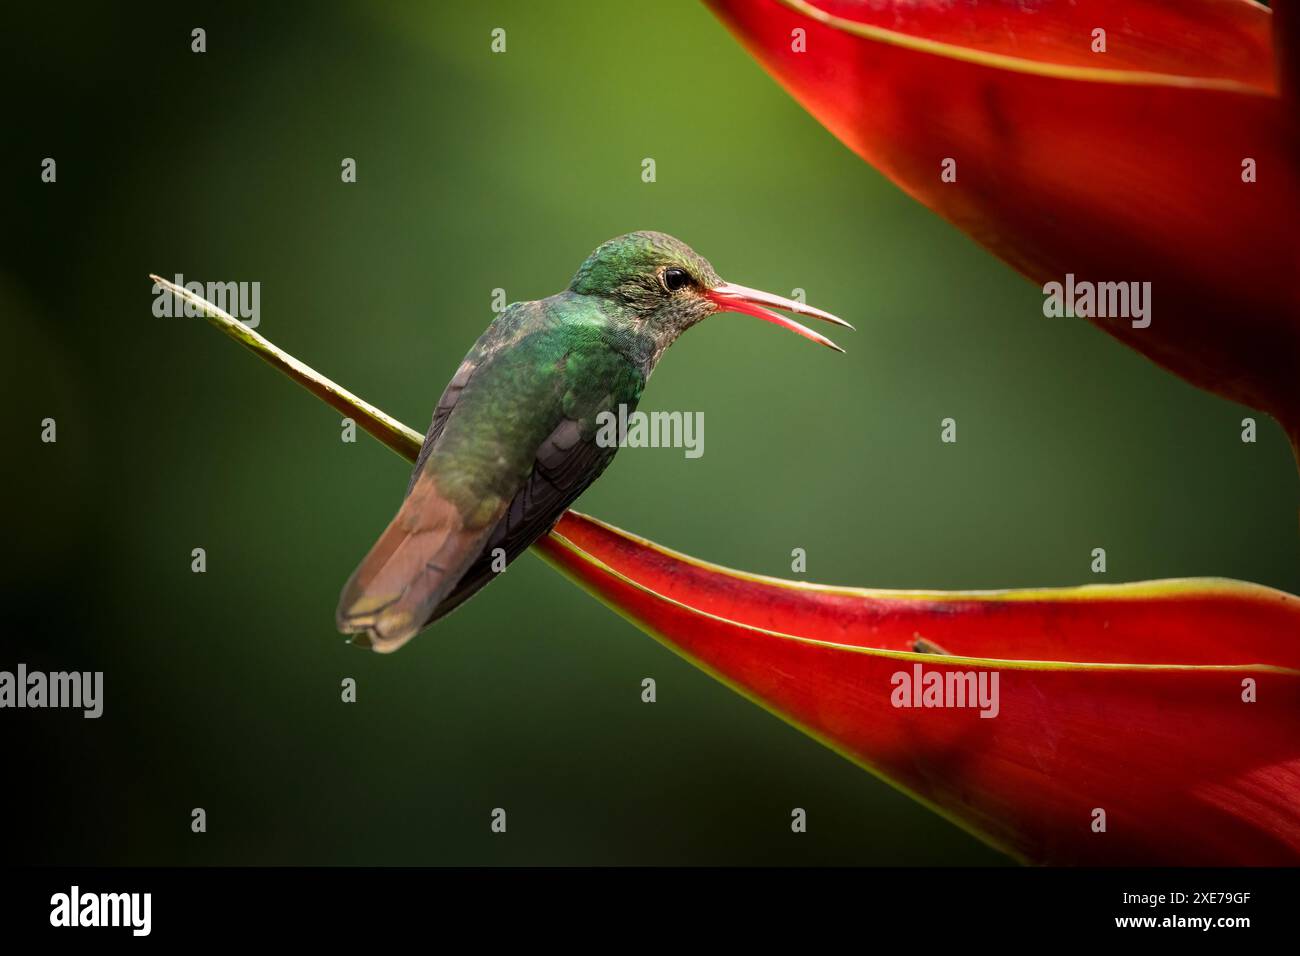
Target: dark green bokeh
point(479, 171)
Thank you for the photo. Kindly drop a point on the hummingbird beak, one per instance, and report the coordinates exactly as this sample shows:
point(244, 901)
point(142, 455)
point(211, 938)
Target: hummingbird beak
point(729, 297)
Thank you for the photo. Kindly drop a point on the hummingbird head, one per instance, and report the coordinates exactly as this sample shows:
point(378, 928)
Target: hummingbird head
point(669, 287)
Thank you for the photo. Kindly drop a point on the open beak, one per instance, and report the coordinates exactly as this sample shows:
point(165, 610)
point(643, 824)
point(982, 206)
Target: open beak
point(730, 297)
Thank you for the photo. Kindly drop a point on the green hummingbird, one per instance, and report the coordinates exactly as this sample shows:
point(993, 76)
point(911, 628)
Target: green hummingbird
point(514, 438)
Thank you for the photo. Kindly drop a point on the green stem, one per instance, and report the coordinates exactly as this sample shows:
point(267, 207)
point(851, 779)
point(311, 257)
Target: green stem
point(401, 439)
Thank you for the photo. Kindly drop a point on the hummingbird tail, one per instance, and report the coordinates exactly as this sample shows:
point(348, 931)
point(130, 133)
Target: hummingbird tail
point(417, 561)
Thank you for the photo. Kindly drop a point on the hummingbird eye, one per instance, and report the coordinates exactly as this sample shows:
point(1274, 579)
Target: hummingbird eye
point(674, 280)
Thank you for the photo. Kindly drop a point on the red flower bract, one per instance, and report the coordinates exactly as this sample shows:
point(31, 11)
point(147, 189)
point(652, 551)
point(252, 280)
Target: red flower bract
point(1119, 166)
point(1168, 711)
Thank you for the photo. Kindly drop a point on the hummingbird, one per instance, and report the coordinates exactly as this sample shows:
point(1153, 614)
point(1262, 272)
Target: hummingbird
point(514, 437)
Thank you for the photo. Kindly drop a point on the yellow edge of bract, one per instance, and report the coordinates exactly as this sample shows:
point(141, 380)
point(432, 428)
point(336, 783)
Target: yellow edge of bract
point(1000, 663)
point(1015, 64)
point(1168, 588)
point(827, 742)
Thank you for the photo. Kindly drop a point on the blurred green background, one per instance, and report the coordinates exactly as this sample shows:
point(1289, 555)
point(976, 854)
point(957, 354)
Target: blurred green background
point(478, 171)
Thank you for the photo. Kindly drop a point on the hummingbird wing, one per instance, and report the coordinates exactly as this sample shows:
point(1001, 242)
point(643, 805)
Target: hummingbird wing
point(443, 410)
point(566, 464)
point(426, 541)
point(511, 444)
